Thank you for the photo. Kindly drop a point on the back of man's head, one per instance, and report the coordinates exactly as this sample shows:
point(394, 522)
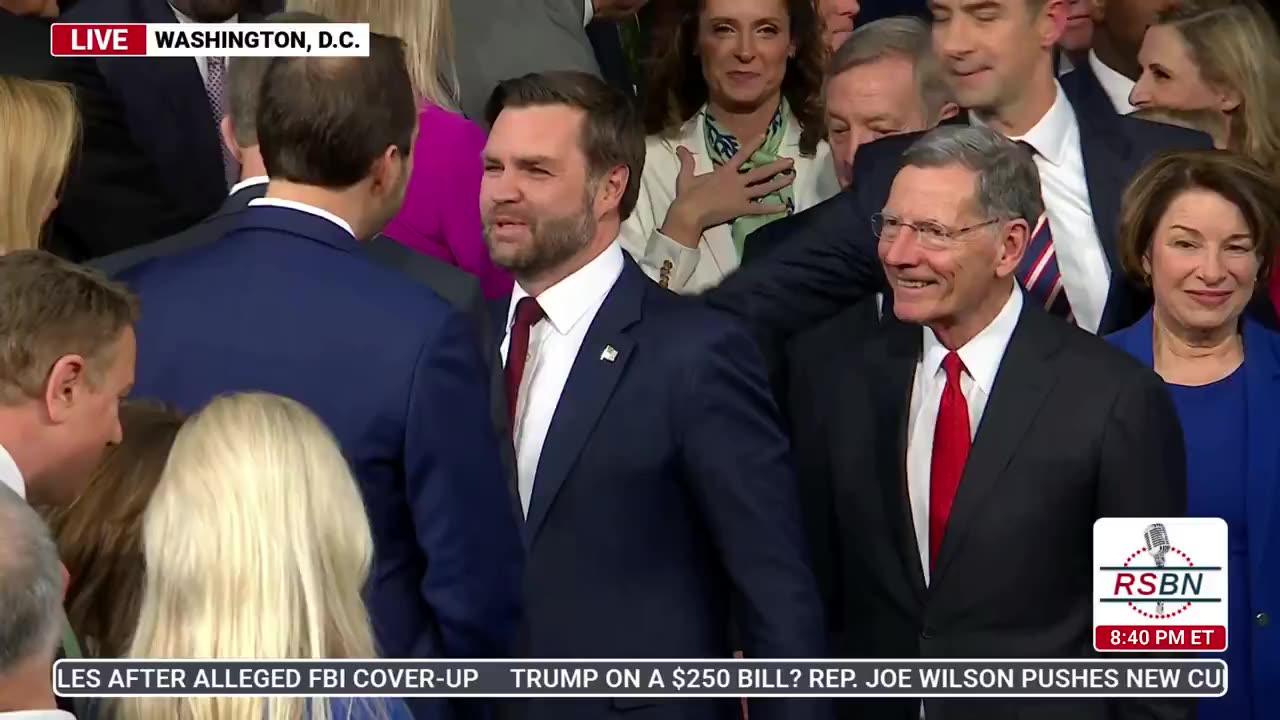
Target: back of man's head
point(244, 83)
point(325, 121)
point(30, 606)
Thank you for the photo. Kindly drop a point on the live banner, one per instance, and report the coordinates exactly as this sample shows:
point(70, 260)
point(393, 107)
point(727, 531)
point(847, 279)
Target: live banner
point(644, 678)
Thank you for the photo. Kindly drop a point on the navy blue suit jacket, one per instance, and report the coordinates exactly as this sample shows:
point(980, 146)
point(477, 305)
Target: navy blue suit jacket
point(1262, 408)
point(664, 491)
point(800, 271)
point(287, 303)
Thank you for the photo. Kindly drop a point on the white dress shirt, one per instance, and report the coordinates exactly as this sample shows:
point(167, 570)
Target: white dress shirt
point(1117, 86)
point(303, 207)
point(589, 14)
point(570, 306)
point(981, 357)
point(1086, 275)
point(10, 475)
point(202, 62)
point(37, 715)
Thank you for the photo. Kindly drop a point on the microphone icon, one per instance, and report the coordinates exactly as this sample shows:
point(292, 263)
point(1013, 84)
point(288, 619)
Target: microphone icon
point(1157, 539)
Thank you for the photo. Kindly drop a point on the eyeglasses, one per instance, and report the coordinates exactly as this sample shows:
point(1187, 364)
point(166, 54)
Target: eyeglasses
point(929, 234)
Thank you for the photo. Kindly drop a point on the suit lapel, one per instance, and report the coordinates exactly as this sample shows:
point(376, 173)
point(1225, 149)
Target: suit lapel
point(1021, 386)
point(893, 402)
point(587, 391)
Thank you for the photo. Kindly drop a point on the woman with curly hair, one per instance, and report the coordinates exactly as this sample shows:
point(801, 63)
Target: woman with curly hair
point(735, 122)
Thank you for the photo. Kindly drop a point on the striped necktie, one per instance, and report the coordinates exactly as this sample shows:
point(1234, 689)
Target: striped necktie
point(1039, 272)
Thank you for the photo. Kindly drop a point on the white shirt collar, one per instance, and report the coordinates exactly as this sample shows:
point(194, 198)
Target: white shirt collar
point(566, 302)
point(10, 474)
point(982, 354)
point(303, 207)
point(248, 182)
point(1116, 86)
point(1051, 135)
point(38, 715)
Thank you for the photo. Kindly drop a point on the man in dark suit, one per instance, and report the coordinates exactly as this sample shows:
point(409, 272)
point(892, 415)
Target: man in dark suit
point(166, 170)
point(998, 58)
point(652, 468)
point(288, 303)
point(240, 134)
point(960, 522)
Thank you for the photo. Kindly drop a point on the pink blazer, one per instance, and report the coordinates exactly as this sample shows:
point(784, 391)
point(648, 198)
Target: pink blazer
point(441, 213)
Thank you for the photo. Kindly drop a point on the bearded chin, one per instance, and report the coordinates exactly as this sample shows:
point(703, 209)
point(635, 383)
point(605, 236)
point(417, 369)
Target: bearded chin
point(553, 242)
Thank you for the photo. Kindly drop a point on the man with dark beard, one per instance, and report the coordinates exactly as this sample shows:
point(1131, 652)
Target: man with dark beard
point(653, 472)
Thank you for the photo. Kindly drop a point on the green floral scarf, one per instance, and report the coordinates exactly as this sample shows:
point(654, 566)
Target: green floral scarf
point(722, 146)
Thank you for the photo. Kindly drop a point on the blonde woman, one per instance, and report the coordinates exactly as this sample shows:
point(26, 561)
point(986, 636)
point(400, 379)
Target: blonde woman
point(256, 546)
point(39, 131)
point(441, 214)
point(1219, 57)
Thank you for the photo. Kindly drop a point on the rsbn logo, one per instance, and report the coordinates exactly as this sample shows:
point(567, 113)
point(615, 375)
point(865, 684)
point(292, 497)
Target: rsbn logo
point(1160, 584)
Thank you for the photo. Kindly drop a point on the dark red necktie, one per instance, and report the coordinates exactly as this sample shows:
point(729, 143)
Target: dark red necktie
point(528, 313)
point(951, 441)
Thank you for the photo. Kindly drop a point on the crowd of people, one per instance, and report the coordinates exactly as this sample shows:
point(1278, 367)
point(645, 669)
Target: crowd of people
point(633, 329)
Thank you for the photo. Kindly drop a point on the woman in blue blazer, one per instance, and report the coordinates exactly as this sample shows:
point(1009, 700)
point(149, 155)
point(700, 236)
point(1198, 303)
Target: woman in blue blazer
point(1200, 230)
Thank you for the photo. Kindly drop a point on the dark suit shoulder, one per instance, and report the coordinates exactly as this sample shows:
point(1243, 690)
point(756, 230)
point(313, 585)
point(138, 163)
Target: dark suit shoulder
point(1153, 137)
point(1089, 361)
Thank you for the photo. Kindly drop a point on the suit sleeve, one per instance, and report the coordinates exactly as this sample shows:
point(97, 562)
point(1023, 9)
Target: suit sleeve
point(462, 512)
point(737, 462)
point(1144, 474)
point(825, 264)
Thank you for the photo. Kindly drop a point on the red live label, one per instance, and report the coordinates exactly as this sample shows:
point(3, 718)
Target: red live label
point(1199, 638)
point(97, 40)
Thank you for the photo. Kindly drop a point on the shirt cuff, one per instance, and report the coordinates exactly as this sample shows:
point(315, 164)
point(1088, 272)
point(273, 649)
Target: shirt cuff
point(589, 13)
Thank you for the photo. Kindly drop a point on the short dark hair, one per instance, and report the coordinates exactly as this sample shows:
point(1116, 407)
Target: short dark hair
point(324, 121)
point(1242, 182)
point(244, 82)
point(611, 133)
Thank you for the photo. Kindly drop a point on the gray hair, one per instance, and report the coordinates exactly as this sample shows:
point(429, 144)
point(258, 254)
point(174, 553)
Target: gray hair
point(1008, 184)
point(30, 584)
point(906, 37)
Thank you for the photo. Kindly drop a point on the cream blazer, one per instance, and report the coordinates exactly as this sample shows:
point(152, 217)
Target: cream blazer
point(688, 270)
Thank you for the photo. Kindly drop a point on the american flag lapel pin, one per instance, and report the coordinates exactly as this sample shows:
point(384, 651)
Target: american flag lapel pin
point(609, 354)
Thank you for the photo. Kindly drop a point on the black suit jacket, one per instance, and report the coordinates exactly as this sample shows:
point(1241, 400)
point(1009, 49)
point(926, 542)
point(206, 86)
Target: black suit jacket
point(1072, 431)
point(829, 260)
point(163, 172)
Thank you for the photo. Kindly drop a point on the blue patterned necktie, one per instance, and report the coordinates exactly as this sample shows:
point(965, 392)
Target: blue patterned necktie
point(1039, 272)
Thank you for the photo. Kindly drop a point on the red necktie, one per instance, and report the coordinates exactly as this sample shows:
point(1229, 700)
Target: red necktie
point(528, 313)
point(951, 442)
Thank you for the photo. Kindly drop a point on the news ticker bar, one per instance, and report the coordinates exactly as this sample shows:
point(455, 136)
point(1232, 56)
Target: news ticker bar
point(642, 678)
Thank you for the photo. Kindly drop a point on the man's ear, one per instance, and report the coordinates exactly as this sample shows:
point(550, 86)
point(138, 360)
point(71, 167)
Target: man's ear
point(228, 136)
point(1054, 16)
point(62, 391)
point(612, 188)
point(1013, 245)
point(948, 111)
